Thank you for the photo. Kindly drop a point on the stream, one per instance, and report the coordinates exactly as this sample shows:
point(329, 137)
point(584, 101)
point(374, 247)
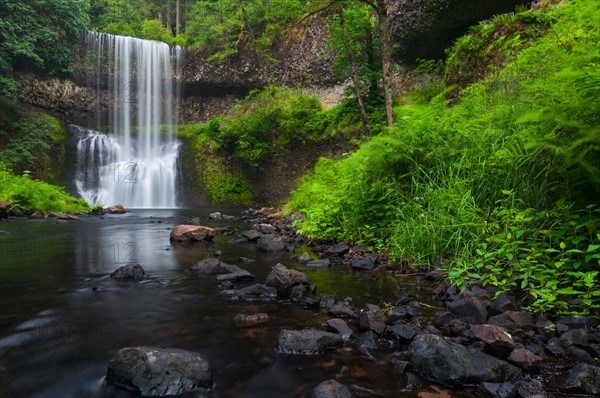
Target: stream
point(63, 318)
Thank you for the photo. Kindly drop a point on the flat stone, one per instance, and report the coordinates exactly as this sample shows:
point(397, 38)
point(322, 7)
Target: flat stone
point(251, 319)
point(513, 319)
point(324, 263)
point(214, 266)
point(336, 251)
point(405, 332)
point(242, 275)
point(307, 341)
point(341, 308)
point(253, 293)
point(341, 327)
point(367, 263)
point(191, 233)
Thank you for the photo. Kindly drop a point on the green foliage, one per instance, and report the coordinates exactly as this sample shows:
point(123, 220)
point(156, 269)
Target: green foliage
point(31, 195)
point(435, 184)
point(36, 35)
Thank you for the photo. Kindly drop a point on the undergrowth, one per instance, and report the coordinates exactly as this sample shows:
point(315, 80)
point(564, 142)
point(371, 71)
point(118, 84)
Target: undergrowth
point(504, 185)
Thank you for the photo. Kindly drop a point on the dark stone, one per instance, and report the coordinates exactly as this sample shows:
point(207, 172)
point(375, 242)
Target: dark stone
point(573, 322)
point(406, 313)
point(582, 379)
point(579, 354)
point(331, 389)
point(545, 329)
point(266, 229)
point(372, 320)
point(399, 366)
point(442, 318)
point(242, 275)
point(496, 338)
point(503, 303)
point(283, 279)
point(554, 347)
point(574, 336)
point(341, 309)
point(246, 260)
point(434, 276)
point(251, 235)
point(327, 301)
point(270, 243)
point(130, 271)
point(524, 359)
point(318, 263)
point(405, 332)
point(367, 263)
point(456, 365)
point(159, 371)
point(254, 293)
point(307, 341)
point(341, 327)
point(530, 389)
point(472, 310)
point(336, 251)
point(512, 320)
point(214, 266)
point(498, 390)
point(369, 340)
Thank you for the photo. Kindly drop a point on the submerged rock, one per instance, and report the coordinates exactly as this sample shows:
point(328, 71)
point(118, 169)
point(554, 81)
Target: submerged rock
point(307, 341)
point(191, 233)
point(455, 365)
point(130, 271)
point(252, 319)
point(214, 266)
point(331, 389)
point(159, 371)
point(255, 292)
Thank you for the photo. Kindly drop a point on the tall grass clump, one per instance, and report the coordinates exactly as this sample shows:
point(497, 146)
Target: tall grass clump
point(505, 185)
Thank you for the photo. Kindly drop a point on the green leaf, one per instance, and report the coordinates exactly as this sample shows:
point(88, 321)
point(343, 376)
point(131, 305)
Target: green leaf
point(592, 248)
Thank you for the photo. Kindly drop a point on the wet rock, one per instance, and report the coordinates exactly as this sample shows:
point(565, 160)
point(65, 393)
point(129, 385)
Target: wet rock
point(530, 389)
point(130, 271)
point(580, 355)
point(336, 251)
point(574, 336)
point(36, 215)
point(503, 303)
point(582, 379)
point(399, 366)
point(266, 229)
point(252, 235)
point(270, 243)
point(253, 293)
point(331, 389)
point(372, 320)
point(116, 209)
point(472, 310)
point(512, 320)
point(191, 233)
point(304, 258)
point(406, 312)
point(496, 338)
point(573, 322)
point(246, 260)
point(327, 301)
point(456, 365)
point(324, 263)
point(434, 275)
point(554, 347)
point(369, 340)
point(341, 327)
point(307, 341)
point(443, 318)
point(242, 275)
point(252, 319)
point(367, 263)
point(283, 279)
point(341, 309)
point(524, 359)
point(68, 217)
point(214, 266)
point(215, 216)
point(498, 390)
point(404, 332)
point(159, 371)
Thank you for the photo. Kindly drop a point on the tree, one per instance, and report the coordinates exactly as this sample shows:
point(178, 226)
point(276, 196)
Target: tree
point(36, 35)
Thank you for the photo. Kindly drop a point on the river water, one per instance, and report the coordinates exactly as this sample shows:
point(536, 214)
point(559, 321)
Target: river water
point(63, 318)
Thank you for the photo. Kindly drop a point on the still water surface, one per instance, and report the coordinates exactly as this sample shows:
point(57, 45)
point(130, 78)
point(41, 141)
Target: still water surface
point(63, 318)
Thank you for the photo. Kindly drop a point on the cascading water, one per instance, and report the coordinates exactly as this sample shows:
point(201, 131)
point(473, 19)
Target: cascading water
point(136, 163)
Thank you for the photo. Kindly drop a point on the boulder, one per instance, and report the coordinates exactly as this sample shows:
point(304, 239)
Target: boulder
point(404, 332)
point(304, 258)
point(372, 320)
point(331, 389)
point(472, 310)
point(574, 336)
point(341, 309)
point(255, 292)
point(251, 235)
point(283, 278)
point(503, 303)
point(456, 365)
point(157, 372)
point(582, 379)
point(512, 320)
point(214, 266)
point(116, 209)
point(496, 338)
point(336, 251)
point(130, 271)
point(524, 359)
point(326, 301)
point(307, 341)
point(266, 229)
point(341, 327)
point(191, 233)
point(367, 263)
point(270, 243)
point(215, 216)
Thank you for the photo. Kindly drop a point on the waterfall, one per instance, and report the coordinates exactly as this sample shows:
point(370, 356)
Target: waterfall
point(135, 162)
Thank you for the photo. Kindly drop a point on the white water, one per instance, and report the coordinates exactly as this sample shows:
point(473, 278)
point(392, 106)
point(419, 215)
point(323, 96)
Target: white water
point(135, 164)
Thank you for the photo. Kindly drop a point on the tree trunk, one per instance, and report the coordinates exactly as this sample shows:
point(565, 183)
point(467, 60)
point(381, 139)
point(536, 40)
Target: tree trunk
point(385, 46)
point(177, 17)
point(373, 86)
point(169, 20)
point(354, 71)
